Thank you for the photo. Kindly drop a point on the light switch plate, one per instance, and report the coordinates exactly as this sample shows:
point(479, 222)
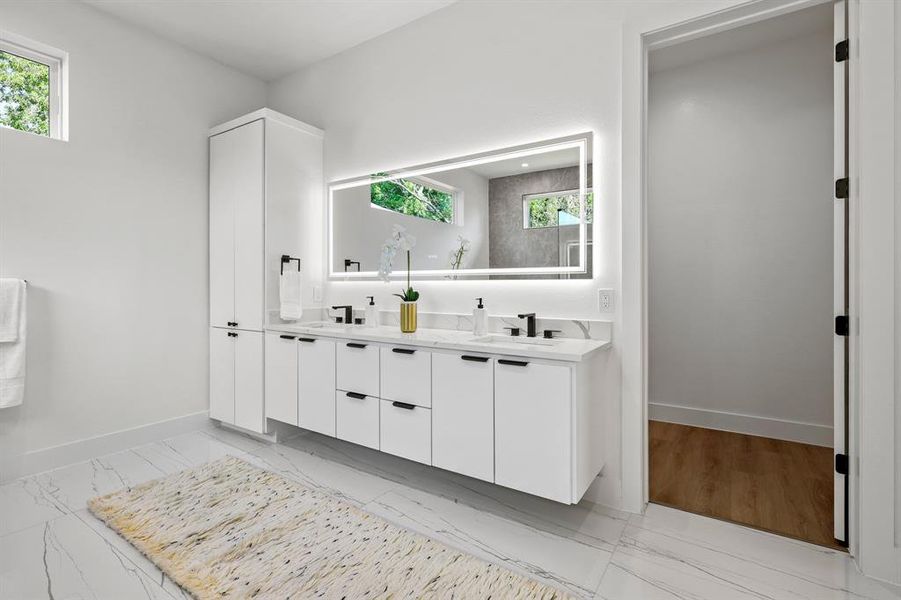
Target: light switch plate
point(605, 300)
point(317, 293)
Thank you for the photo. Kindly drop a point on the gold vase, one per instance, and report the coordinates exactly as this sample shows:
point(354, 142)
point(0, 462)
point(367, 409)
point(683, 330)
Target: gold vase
point(408, 317)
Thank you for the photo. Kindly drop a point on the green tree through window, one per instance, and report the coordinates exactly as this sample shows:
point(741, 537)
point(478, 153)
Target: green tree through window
point(410, 197)
point(24, 94)
point(560, 208)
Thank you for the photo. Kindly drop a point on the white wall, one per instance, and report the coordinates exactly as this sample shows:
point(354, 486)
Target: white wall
point(740, 240)
point(110, 229)
point(494, 89)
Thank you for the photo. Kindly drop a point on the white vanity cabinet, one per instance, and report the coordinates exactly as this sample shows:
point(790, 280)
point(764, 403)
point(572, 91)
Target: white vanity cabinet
point(463, 414)
point(530, 424)
point(236, 378)
point(533, 440)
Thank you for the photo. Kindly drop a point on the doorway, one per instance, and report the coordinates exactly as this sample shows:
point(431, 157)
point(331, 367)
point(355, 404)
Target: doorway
point(745, 262)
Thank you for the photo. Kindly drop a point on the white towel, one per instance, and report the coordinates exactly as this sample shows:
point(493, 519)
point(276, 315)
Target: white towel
point(12, 343)
point(290, 295)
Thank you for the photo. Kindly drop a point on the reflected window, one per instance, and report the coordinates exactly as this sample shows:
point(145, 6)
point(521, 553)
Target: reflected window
point(554, 209)
point(415, 196)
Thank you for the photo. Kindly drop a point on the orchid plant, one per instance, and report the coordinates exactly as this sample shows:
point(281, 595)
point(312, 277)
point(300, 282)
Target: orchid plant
point(399, 240)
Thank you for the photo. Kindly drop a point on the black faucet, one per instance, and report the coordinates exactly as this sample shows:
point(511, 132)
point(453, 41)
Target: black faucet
point(348, 313)
point(530, 324)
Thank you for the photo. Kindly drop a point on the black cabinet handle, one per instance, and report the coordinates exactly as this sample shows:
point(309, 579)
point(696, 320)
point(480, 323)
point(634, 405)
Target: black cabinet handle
point(232, 334)
point(354, 345)
point(232, 324)
point(308, 340)
point(356, 395)
point(475, 358)
point(287, 337)
point(403, 405)
point(403, 350)
point(513, 363)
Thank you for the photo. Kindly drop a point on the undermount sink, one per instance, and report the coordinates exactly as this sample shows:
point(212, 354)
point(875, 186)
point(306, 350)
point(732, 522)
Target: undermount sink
point(512, 339)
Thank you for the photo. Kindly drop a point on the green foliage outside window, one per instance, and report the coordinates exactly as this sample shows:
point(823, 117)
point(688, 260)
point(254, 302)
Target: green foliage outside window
point(544, 211)
point(24, 94)
point(409, 197)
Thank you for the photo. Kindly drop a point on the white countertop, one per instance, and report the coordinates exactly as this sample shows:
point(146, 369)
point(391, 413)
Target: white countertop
point(566, 349)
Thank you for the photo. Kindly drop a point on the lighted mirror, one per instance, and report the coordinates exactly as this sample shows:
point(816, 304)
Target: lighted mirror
point(523, 212)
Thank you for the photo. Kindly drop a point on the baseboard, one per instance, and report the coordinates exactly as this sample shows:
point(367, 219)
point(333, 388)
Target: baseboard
point(779, 429)
point(45, 459)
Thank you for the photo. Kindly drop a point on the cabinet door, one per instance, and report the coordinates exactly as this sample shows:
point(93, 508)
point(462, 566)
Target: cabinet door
point(405, 430)
point(249, 380)
point(236, 226)
point(463, 414)
point(222, 376)
point(222, 231)
point(406, 375)
point(532, 423)
point(281, 377)
point(357, 418)
point(358, 367)
point(316, 391)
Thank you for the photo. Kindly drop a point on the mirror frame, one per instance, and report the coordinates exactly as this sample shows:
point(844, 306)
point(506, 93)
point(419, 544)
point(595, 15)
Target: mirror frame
point(581, 141)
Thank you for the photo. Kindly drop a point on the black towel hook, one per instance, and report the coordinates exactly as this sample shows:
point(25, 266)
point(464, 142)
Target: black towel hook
point(287, 259)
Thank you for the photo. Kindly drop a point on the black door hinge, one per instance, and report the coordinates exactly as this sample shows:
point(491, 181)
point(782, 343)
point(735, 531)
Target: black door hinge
point(841, 51)
point(841, 464)
point(841, 187)
point(841, 325)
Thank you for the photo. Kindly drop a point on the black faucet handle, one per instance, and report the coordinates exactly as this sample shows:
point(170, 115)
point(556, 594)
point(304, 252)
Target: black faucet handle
point(549, 333)
point(514, 331)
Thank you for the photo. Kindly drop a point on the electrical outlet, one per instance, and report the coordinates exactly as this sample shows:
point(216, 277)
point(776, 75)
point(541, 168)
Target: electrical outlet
point(605, 301)
point(317, 293)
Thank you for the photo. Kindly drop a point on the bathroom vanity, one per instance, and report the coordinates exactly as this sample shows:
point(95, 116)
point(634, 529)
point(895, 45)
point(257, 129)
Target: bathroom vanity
point(524, 413)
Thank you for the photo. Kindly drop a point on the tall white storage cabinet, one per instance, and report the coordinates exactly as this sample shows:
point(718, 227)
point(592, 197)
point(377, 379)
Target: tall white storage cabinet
point(265, 184)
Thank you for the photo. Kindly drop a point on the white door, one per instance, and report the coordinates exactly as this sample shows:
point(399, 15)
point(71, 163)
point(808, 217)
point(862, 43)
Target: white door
point(840, 289)
point(316, 384)
point(236, 227)
point(532, 428)
point(249, 380)
point(222, 375)
point(281, 377)
point(463, 414)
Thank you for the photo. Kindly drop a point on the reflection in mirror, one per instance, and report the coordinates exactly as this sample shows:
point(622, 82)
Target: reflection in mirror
point(518, 213)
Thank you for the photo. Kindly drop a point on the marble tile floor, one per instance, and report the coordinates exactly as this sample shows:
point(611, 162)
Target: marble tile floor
point(51, 547)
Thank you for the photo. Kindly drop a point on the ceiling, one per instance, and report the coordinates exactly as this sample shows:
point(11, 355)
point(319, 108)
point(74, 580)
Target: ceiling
point(742, 39)
point(264, 38)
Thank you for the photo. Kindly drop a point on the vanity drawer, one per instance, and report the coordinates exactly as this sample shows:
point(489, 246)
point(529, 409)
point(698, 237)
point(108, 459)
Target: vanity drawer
point(406, 375)
point(358, 367)
point(357, 418)
point(406, 431)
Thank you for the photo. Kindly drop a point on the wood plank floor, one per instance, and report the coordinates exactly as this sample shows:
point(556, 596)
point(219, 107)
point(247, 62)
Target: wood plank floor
point(783, 487)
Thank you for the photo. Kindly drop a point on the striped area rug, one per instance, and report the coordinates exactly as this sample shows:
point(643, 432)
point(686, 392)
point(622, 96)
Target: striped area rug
point(230, 530)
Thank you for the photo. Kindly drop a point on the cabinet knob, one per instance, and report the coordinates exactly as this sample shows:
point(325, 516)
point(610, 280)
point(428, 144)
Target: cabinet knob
point(403, 405)
point(308, 340)
point(232, 324)
point(355, 345)
point(287, 337)
point(403, 350)
point(232, 334)
point(356, 395)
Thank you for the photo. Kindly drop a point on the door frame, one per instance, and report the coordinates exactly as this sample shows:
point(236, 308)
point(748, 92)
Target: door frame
point(635, 256)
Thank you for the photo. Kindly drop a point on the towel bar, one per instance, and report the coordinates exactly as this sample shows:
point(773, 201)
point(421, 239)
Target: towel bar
point(287, 259)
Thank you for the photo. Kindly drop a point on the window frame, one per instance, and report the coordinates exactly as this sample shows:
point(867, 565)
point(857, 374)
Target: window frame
point(527, 199)
point(57, 62)
point(456, 193)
